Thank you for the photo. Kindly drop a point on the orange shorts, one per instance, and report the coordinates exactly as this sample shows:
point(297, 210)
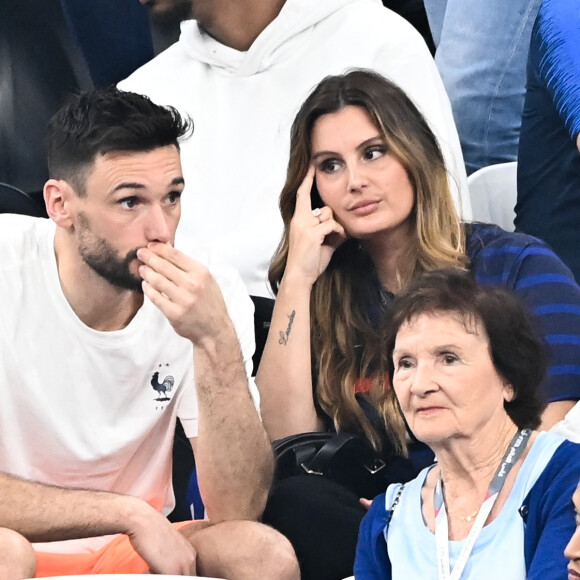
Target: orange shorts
point(116, 557)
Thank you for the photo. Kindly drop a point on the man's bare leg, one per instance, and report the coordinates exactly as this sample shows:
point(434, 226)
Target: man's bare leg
point(17, 558)
point(242, 550)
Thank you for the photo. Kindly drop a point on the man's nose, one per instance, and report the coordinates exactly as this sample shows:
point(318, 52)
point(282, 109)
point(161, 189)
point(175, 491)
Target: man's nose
point(158, 228)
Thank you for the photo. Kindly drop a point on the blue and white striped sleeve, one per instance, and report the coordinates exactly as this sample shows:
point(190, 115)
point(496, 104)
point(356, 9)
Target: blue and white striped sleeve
point(548, 288)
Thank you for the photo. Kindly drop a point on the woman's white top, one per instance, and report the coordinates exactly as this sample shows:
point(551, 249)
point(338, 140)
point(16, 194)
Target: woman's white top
point(499, 550)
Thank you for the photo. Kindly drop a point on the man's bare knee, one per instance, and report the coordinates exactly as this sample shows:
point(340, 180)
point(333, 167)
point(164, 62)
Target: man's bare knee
point(241, 550)
point(17, 559)
point(277, 556)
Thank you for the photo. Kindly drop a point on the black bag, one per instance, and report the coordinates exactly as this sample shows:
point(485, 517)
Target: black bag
point(344, 458)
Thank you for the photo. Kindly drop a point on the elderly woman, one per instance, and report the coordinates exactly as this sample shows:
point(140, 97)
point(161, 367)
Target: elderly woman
point(465, 366)
point(367, 208)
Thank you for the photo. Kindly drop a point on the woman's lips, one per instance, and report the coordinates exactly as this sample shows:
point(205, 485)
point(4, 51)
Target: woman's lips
point(364, 208)
point(426, 411)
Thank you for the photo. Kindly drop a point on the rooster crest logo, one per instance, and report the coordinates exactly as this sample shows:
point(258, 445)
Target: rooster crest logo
point(162, 388)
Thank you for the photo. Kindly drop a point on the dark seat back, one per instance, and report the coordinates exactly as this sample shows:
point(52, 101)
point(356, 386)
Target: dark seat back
point(13, 200)
point(40, 65)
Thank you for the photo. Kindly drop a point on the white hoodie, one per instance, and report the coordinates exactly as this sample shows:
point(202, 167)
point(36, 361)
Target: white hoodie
point(243, 104)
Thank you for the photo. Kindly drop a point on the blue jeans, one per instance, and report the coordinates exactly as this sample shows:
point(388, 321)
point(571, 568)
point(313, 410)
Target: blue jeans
point(482, 50)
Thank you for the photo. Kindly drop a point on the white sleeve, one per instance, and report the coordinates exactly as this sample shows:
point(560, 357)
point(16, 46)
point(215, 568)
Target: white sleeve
point(569, 427)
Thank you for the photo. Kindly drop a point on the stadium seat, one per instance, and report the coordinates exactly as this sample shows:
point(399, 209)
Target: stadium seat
point(13, 200)
point(493, 194)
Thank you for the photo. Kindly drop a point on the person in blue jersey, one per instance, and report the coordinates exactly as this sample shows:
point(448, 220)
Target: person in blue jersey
point(367, 208)
point(465, 363)
point(549, 151)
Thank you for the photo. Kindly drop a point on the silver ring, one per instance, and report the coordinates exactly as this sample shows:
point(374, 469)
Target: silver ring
point(316, 213)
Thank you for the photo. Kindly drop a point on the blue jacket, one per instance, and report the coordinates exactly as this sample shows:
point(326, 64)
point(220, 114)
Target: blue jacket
point(547, 514)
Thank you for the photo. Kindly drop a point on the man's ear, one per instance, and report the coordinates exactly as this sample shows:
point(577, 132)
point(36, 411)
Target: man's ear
point(57, 198)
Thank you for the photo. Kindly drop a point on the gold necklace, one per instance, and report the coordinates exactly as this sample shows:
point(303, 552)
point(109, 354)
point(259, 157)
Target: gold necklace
point(470, 517)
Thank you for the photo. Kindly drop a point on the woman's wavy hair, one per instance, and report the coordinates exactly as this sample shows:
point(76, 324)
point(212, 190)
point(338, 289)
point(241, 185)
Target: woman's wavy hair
point(516, 349)
point(347, 302)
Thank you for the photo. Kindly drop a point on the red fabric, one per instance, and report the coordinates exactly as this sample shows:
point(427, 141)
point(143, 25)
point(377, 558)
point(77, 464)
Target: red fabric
point(365, 384)
point(117, 557)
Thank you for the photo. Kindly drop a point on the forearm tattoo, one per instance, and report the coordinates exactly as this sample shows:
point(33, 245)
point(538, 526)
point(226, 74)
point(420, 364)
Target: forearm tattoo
point(284, 336)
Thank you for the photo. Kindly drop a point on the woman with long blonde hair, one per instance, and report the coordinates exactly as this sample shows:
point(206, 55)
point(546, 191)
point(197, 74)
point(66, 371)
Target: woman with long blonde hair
point(367, 207)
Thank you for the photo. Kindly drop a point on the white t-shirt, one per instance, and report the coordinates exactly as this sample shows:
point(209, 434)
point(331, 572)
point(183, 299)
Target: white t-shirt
point(499, 549)
point(88, 409)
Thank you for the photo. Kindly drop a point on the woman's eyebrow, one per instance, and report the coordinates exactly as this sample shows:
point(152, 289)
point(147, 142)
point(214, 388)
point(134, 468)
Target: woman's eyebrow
point(322, 154)
point(400, 352)
point(371, 141)
point(362, 145)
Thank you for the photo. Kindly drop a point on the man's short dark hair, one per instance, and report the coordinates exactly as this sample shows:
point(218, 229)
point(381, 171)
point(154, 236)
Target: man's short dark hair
point(104, 121)
point(517, 352)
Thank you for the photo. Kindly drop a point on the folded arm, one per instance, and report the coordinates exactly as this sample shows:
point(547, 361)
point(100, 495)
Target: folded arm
point(44, 513)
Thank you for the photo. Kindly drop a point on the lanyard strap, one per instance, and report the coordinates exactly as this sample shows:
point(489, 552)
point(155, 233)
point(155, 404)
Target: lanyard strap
point(516, 448)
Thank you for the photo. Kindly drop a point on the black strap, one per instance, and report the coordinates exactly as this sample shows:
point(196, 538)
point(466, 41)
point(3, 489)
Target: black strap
point(321, 462)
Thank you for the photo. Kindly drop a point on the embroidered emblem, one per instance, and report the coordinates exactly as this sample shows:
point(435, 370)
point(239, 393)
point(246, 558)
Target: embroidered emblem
point(163, 387)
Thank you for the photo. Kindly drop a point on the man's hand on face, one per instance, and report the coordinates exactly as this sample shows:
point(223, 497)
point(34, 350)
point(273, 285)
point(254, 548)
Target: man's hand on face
point(185, 292)
point(164, 548)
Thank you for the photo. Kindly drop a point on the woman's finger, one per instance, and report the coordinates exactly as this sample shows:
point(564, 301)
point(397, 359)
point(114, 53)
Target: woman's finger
point(331, 233)
point(324, 214)
point(303, 198)
point(366, 503)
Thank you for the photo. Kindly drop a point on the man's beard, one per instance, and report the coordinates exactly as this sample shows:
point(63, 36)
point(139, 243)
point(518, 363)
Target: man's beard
point(103, 259)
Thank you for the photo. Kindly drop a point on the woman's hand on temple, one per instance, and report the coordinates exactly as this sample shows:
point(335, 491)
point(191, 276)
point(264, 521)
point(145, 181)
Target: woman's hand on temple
point(314, 235)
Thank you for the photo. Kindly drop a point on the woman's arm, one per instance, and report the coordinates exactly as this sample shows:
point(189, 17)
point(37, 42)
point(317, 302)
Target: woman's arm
point(548, 289)
point(284, 377)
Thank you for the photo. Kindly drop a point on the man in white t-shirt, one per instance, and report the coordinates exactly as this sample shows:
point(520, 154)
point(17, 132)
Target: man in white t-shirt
point(112, 330)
